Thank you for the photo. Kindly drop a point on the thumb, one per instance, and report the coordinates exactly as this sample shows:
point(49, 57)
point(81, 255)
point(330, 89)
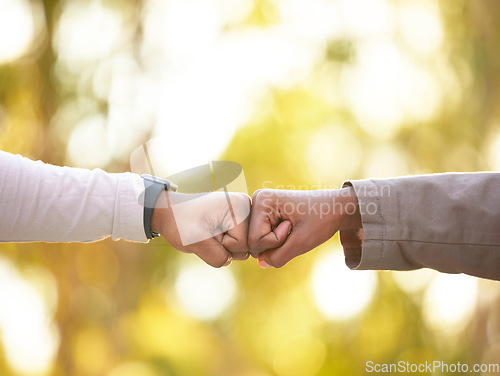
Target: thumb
point(273, 239)
point(277, 257)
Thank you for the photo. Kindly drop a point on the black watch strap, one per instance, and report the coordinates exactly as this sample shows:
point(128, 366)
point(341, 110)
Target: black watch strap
point(153, 186)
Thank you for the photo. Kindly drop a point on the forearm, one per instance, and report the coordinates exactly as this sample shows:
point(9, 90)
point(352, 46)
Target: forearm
point(41, 202)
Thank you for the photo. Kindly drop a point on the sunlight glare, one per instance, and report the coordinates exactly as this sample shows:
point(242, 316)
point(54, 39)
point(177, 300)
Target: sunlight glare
point(132, 94)
point(420, 26)
point(16, 27)
point(312, 20)
point(203, 291)
point(210, 78)
point(413, 281)
point(366, 18)
point(341, 293)
point(385, 87)
point(385, 161)
point(87, 31)
point(201, 107)
point(333, 143)
point(30, 339)
point(183, 30)
point(450, 301)
point(88, 143)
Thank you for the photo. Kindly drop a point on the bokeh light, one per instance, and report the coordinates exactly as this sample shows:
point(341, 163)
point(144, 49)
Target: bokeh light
point(87, 31)
point(450, 302)
point(339, 292)
point(420, 25)
point(29, 336)
point(333, 143)
point(386, 86)
point(88, 146)
point(414, 281)
point(18, 28)
point(204, 292)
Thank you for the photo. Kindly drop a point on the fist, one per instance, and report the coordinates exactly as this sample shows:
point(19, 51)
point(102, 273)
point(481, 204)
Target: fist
point(285, 223)
point(214, 225)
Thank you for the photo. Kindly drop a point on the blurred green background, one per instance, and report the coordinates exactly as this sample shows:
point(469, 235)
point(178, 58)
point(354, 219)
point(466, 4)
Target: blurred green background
point(304, 94)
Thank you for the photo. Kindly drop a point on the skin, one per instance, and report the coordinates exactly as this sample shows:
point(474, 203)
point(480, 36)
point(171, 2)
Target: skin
point(219, 218)
point(285, 224)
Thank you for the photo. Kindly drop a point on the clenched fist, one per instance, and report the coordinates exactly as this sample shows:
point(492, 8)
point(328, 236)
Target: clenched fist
point(285, 224)
point(214, 225)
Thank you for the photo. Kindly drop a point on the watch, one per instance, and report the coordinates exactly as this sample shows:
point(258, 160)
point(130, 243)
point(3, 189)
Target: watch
point(153, 186)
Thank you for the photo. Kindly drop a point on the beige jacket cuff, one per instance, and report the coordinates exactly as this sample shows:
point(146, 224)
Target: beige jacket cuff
point(447, 222)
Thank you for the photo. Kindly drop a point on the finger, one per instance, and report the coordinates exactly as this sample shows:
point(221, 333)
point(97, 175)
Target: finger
point(241, 256)
point(239, 206)
point(260, 212)
point(237, 247)
point(212, 252)
point(278, 257)
point(235, 240)
point(238, 254)
point(273, 239)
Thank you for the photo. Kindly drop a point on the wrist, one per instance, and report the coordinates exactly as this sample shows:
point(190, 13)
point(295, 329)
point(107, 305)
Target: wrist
point(160, 212)
point(350, 228)
point(350, 216)
point(153, 189)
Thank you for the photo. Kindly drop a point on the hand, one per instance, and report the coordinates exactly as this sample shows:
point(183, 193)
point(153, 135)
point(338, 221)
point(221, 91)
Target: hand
point(285, 224)
point(214, 225)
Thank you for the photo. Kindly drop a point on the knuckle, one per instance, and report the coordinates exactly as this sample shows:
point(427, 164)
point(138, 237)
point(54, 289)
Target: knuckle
point(258, 193)
point(253, 243)
point(218, 263)
point(244, 245)
point(240, 203)
point(246, 198)
point(239, 247)
point(241, 255)
point(256, 255)
point(276, 261)
point(244, 201)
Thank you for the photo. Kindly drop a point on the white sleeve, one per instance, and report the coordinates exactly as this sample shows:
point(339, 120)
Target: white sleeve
point(42, 202)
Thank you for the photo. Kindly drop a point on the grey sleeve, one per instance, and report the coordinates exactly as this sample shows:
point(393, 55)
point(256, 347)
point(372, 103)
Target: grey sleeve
point(448, 222)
